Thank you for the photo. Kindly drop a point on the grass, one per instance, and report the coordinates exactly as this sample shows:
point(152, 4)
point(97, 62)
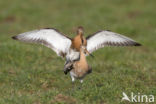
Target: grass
point(32, 74)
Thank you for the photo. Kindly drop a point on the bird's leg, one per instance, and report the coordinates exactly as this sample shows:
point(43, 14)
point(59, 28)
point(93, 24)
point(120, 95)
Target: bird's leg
point(81, 80)
point(80, 84)
point(73, 79)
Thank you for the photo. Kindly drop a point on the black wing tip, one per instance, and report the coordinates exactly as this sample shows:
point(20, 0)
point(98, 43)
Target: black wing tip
point(14, 37)
point(137, 44)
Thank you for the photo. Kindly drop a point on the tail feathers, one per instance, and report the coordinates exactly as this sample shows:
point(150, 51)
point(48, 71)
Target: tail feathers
point(90, 70)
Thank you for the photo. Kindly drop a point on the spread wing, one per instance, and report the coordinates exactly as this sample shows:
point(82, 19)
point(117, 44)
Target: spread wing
point(108, 38)
point(50, 38)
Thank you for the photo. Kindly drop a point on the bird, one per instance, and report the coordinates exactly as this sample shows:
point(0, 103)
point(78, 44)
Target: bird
point(72, 48)
point(79, 68)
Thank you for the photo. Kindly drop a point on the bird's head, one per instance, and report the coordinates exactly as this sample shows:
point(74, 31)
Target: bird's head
point(84, 50)
point(80, 30)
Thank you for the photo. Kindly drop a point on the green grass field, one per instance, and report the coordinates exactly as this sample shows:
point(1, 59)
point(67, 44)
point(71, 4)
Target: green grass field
point(32, 74)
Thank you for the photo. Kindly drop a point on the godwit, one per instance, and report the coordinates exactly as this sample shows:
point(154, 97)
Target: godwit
point(79, 68)
point(71, 48)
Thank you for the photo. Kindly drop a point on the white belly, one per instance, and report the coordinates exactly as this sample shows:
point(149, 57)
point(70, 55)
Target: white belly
point(72, 74)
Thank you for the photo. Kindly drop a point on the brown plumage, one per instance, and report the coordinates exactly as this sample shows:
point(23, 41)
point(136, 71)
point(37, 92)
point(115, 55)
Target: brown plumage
point(81, 67)
point(79, 40)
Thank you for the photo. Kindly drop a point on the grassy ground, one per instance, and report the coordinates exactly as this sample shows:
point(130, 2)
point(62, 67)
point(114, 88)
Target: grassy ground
point(32, 74)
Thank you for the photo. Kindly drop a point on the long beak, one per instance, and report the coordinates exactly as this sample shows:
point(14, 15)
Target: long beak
point(89, 53)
